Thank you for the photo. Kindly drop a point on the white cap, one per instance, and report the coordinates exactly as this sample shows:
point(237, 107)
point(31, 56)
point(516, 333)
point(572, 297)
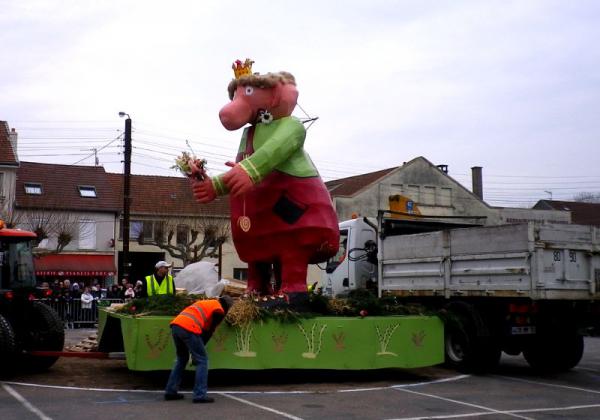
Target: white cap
point(162, 264)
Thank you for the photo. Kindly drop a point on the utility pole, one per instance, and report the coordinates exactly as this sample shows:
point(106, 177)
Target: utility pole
point(126, 194)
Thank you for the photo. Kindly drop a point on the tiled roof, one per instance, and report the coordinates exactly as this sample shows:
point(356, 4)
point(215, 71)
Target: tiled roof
point(581, 213)
point(160, 195)
point(153, 195)
point(7, 156)
point(351, 185)
point(60, 187)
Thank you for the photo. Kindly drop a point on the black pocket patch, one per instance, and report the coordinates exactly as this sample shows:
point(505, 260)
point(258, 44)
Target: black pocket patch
point(288, 210)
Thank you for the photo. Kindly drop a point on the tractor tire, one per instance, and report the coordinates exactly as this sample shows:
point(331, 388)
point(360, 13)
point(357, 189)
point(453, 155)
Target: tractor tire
point(44, 331)
point(8, 345)
point(551, 354)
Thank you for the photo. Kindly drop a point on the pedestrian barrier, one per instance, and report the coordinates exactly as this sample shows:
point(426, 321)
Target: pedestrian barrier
point(76, 315)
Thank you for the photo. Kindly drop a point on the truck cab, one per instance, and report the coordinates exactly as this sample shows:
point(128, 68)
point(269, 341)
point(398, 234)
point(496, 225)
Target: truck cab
point(348, 269)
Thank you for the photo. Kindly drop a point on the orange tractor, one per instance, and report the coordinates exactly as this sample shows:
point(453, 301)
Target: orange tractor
point(26, 325)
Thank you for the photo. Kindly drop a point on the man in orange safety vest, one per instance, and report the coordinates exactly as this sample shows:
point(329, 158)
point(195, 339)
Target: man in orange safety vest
point(191, 330)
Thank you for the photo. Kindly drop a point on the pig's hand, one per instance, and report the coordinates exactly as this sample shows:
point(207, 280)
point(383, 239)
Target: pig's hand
point(204, 192)
point(197, 170)
point(237, 181)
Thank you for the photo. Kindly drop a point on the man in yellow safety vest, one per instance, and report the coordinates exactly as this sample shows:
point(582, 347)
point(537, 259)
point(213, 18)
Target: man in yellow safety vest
point(161, 282)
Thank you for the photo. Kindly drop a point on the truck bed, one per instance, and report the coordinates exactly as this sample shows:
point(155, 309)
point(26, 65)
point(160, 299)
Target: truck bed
point(550, 261)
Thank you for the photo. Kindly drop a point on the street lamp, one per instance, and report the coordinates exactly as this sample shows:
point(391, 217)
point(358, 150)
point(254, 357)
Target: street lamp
point(126, 190)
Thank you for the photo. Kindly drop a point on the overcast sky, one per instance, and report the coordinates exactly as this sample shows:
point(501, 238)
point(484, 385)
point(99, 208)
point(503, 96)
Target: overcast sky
point(512, 86)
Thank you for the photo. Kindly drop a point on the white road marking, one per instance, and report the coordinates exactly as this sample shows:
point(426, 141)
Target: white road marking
point(488, 409)
point(73, 388)
point(262, 407)
point(25, 403)
point(487, 413)
point(528, 381)
point(437, 381)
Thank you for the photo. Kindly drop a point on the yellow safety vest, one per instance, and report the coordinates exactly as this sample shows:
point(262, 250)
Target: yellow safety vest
point(167, 287)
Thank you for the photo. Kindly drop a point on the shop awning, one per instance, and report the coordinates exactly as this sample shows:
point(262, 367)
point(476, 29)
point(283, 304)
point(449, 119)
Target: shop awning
point(75, 265)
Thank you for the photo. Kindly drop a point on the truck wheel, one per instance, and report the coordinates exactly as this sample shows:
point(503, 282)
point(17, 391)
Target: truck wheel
point(44, 332)
point(458, 344)
point(465, 350)
point(554, 353)
point(8, 345)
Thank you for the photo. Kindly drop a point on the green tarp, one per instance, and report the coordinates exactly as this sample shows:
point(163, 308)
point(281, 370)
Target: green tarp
point(315, 343)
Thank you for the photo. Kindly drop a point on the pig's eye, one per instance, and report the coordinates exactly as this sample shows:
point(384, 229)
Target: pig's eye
point(249, 90)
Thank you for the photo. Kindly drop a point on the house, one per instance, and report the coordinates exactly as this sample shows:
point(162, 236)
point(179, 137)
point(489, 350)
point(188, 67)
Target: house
point(581, 213)
point(433, 190)
point(9, 163)
point(73, 209)
point(162, 204)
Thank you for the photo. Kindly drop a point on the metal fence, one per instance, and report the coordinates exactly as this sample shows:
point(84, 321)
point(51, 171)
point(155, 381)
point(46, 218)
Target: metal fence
point(76, 315)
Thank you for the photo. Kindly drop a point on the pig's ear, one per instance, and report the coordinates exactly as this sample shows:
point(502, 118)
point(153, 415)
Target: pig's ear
point(276, 95)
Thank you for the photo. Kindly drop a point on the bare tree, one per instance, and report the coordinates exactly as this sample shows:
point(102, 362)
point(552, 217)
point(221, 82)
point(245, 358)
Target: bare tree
point(190, 239)
point(58, 228)
point(10, 217)
point(587, 197)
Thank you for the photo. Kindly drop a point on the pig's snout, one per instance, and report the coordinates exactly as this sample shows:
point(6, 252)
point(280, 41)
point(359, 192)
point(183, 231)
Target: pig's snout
point(235, 115)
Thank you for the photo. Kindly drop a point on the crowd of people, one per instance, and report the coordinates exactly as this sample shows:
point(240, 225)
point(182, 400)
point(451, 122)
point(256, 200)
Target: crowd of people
point(67, 290)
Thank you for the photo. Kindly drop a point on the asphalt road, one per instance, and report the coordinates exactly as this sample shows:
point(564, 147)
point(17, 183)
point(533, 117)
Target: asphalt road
point(513, 391)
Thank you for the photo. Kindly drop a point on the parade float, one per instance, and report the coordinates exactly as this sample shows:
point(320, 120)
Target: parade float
point(270, 339)
point(282, 220)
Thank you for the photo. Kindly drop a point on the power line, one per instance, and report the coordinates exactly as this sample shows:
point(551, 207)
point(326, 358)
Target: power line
point(103, 147)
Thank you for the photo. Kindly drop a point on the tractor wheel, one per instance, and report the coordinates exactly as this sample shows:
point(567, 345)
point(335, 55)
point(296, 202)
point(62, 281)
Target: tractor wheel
point(44, 331)
point(8, 345)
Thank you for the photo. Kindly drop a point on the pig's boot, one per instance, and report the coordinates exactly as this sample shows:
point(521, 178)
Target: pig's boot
point(293, 280)
point(259, 279)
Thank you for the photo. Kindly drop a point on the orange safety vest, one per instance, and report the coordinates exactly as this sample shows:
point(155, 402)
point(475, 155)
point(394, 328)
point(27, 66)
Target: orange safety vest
point(198, 317)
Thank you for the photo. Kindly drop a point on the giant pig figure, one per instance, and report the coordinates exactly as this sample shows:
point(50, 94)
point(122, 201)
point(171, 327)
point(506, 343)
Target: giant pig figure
point(282, 218)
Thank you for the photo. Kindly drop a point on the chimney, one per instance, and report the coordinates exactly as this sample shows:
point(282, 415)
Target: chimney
point(443, 168)
point(477, 181)
point(13, 135)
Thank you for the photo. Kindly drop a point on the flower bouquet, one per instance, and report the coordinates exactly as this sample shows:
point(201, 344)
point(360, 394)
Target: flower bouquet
point(191, 166)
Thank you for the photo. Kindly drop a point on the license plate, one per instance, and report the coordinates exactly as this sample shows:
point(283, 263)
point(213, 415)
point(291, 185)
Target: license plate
point(522, 330)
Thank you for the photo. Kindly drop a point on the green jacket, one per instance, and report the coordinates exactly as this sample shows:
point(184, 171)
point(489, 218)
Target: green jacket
point(277, 146)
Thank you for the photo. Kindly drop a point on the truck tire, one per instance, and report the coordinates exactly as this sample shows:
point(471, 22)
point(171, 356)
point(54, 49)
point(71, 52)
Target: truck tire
point(557, 353)
point(44, 331)
point(467, 351)
point(8, 345)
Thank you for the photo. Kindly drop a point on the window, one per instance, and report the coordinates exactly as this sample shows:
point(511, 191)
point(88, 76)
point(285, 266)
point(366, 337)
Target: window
point(87, 191)
point(1, 184)
point(445, 197)
point(159, 231)
point(182, 234)
point(154, 230)
point(33, 189)
point(428, 196)
point(87, 234)
point(136, 227)
point(147, 230)
point(240, 273)
point(412, 191)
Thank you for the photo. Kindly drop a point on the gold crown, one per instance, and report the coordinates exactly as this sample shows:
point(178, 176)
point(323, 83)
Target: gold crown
point(242, 69)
